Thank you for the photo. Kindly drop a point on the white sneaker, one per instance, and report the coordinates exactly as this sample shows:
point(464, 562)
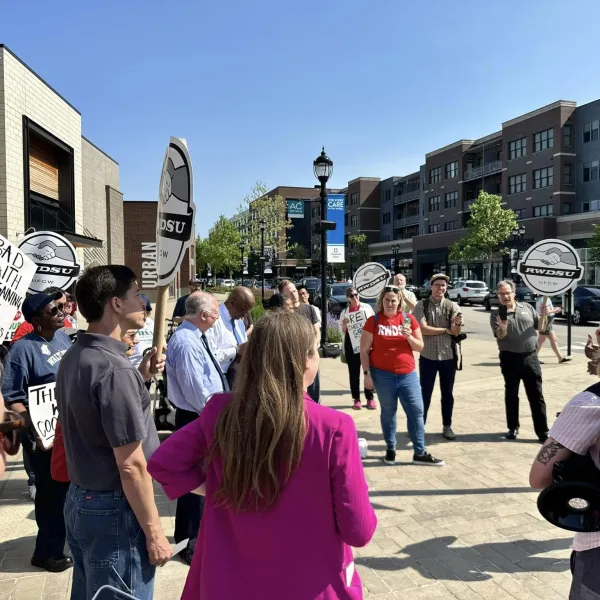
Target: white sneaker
point(32, 491)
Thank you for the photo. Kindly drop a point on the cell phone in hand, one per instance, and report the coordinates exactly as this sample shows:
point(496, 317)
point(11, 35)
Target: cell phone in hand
point(503, 312)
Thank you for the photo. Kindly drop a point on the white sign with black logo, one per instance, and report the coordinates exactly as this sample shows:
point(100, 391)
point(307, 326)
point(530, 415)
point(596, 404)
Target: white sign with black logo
point(56, 260)
point(176, 211)
point(550, 267)
point(370, 279)
point(43, 412)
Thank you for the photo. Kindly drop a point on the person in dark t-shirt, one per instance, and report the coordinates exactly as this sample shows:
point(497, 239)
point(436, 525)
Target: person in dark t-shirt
point(288, 289)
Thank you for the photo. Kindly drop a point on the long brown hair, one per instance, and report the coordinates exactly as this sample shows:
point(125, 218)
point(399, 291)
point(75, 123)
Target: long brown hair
point(260, 435)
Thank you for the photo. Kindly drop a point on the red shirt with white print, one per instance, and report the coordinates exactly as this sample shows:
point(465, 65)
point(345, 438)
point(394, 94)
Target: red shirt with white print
point(391, 351)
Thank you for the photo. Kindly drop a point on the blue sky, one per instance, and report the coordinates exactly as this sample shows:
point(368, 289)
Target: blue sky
point(258, 87)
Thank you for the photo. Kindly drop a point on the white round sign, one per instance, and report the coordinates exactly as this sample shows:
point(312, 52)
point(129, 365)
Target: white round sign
point(55, 257)
point(550, 267)
point(370, 279)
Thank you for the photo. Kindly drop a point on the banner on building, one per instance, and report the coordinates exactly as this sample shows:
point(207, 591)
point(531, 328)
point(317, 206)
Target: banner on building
point(43, 411)
point(295, 209)
point(57, 263)
point(335, 239)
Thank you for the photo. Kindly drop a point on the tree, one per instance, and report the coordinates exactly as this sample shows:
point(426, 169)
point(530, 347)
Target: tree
point(222, 248)
point(359, 242)
point(594, 245)
point(488, 228)
point(297, 251)
point(273, 210)
point(202, 255)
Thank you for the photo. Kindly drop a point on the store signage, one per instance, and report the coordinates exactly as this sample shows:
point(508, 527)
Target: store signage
point(335, 239)
point(149, 271)
point(370, 279)
point(57, 264)
point(550, 267)
point(176, 211)
point(295, 209)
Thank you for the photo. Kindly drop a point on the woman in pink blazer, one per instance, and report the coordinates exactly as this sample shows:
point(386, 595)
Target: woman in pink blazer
point(286, 495)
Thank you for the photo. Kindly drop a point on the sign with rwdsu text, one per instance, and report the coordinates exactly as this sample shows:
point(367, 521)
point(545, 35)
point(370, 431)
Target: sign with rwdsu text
point(550, 267)
point(43, 412)
point(16, 272)
point(176, 211)
point(357, 320)
point(370, 279)
point(335, 239)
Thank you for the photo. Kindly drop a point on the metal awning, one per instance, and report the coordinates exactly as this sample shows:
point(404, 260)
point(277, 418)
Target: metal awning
point(81, 241)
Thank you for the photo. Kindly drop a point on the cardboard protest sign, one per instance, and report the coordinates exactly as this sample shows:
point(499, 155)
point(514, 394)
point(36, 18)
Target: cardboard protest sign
point(16, 273)
point(43, 412)
point(357, 322)
point(17, 321)
point(55, 257)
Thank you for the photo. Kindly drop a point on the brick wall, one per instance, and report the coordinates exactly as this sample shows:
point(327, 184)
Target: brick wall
point(25, 94)
point(115, 226)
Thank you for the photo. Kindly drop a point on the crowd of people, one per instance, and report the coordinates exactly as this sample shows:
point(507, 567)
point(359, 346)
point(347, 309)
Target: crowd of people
point(259, 468)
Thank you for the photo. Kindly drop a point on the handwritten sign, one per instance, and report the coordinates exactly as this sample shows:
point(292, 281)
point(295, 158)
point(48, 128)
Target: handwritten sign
point(18, 320)
point(355, 327)
point(44, 412)
point(16, 272)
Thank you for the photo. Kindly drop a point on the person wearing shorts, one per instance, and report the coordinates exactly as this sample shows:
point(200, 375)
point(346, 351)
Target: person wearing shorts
point(548, 332)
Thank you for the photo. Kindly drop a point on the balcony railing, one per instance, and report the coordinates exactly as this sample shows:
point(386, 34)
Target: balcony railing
point(487, 169)
point(48, 215)
point(404, 198)
point(414, 220)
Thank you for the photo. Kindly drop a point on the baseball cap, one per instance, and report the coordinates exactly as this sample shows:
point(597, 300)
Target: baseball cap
point(146, 302)
point(439, 276)
point(36, 303)
point(194, 281)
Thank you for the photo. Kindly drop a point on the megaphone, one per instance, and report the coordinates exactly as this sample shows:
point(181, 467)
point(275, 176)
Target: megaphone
point(572, 501)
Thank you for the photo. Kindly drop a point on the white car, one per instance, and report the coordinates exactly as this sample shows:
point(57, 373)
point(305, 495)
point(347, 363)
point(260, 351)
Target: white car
point(228, 283)
point(468, 292)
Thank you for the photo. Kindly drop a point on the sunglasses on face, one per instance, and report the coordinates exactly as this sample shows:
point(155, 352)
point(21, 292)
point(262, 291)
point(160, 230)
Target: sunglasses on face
point(353, 295)
point(58, 308)
point(392, 288)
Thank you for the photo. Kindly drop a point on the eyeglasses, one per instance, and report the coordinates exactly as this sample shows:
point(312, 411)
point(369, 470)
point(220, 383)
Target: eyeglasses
point(352, 295)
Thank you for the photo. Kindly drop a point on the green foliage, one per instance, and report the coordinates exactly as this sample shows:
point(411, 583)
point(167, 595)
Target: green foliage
point(222, 248)
point(594, 245)
point(297, 251)
point(257, 311)
point(488, 228)
point(271, 209)
point(202, 255)
point(334, 335)
point(361, 247)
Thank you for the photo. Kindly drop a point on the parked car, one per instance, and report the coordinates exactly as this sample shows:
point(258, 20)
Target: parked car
point(228, 283)
point(522, 294)
point(586, 305)
point(468, 292)
point(424, 291)
point(311, 283)
point(336, 298)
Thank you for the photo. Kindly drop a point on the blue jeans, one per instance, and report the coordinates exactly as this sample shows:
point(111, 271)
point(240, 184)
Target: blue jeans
point(107, 544)
point(390, 388)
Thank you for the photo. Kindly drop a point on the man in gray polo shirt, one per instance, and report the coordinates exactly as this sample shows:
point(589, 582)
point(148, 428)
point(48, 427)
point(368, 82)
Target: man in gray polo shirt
point(517, 341)
point(113, 527)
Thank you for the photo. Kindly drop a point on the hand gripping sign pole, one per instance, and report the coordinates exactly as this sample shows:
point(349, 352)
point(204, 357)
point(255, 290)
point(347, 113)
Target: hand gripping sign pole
point(174, 227)
point(551, 268)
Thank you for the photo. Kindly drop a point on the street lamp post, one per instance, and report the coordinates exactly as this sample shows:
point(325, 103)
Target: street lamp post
point(323, 168)
point(518, 234)
point(242, 248)
point(262, 226)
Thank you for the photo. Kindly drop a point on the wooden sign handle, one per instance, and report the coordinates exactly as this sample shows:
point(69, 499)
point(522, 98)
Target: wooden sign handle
point(158, 340)
point(543, 324)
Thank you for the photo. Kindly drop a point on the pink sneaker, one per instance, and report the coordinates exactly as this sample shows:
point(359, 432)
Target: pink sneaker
point(357, 405)
point(371, 405)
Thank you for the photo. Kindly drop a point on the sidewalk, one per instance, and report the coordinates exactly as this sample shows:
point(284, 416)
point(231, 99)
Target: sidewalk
point(469, 530)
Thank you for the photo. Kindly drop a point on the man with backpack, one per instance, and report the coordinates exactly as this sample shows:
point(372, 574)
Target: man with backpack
point(441, 321)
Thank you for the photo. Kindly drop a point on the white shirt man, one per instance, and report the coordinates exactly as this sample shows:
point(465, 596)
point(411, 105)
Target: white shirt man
point(411, 299)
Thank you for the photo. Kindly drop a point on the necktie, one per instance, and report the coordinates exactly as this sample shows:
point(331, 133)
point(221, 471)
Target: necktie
point(235, 333)
point(216, 364)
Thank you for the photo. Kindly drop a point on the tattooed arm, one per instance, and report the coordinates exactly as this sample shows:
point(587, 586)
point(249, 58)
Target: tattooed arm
point(551, 452)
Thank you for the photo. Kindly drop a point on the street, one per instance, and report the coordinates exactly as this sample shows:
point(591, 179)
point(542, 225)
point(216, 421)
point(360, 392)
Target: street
point(477, 326)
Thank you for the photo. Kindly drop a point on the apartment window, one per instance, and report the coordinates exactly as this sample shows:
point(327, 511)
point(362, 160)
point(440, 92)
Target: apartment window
point(451, 199)
point(568, 174)
point(520, 213)
point(450, 225)
point(543, 140)
point(435, 175)
point(566, 208)
point(434, 228)
point(451, 170)
point(388, 195)
point(434, 203)
point(517, 148)
point(354, 199)
point(567, 135)
point(517, 183)
point(546, 210)
point(345, 220)
point(387, 218)
point(354, 221)
point(590, 131)
point(543, 178)
point(593, 205)
point(590, 171)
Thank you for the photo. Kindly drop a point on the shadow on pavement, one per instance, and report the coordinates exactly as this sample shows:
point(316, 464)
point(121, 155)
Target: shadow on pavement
point(453, 492)
point(435, 559)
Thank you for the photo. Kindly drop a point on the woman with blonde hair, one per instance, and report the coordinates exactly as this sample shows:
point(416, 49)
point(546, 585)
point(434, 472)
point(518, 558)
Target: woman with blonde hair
point(286, 495)
point(386, 353)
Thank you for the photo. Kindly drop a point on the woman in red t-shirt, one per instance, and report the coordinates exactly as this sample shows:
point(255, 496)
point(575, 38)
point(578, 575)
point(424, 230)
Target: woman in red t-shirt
point(386, 353)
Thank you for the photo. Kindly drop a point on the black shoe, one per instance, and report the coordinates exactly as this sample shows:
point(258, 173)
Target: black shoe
point(53, 565)
point(512, 434)
point(427, 459)
point(390, 457)
point(186, 556)
point(543, 438)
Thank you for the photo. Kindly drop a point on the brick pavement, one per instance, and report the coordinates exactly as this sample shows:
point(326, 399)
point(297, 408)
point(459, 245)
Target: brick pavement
point(469, 530)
